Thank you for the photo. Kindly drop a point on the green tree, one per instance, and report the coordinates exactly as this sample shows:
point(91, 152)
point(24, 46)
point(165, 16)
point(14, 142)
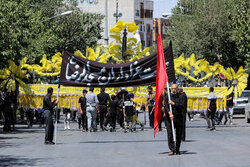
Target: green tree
point(240, 33)
point(26, 29)
point(204, 28)
point(19, 26)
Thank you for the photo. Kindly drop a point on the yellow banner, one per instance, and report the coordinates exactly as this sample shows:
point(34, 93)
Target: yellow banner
point(68, 96)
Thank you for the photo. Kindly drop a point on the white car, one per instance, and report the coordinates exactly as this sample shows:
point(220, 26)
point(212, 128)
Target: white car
point(241, 102)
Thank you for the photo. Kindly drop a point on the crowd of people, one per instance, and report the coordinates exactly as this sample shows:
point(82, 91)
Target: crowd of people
point(106, 111)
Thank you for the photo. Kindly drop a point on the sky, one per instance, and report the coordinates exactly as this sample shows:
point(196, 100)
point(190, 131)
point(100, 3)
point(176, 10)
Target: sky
point(163, 6)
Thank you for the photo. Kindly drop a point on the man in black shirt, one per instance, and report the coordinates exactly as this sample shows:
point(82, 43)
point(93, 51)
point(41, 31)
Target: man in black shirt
point(177, 117)
point(128, 112)
point(83, 115)
point(103, 99)
point(48, 109)
point(230, 110)
point(114, 107)
point(183, 100)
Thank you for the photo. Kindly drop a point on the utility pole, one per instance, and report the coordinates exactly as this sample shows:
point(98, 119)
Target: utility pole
point(117, 15)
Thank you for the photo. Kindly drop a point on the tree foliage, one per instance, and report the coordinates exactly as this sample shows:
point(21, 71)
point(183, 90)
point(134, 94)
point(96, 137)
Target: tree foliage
point(29, 28)
point(205, 27)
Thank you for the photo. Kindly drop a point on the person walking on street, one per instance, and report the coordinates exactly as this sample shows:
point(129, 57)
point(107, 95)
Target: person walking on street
point(91, 109)
point(230, 110)
point(211, 109)
point(183, 100)
point(177, 117)
point(150, 104)
point(48, 112)
point(128, 111)
point(83, 115)
point(104, 100)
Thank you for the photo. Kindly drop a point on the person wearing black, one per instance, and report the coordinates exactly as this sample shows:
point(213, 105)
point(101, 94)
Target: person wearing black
point(128, 112)
point(177, 117)
point(114, 107)
point(7, 111)
point(103, 99)
point(150, 104)
point(48, 109)
point(30, 117)
point(83, 115)
point(230, 110)
point(183, 100)
point(211, 109)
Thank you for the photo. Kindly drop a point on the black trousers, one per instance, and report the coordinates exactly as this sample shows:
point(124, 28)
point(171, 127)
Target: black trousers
point(151, 117)
point(83, 120)
point(178, 121)
point(120, 118)
point(102, 111)
point(183, 135)
point(49, 129)
point(7, 121)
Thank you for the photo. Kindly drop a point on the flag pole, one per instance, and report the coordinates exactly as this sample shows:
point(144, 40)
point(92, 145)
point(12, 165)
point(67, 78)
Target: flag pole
point(172, 122)
point(57, 97)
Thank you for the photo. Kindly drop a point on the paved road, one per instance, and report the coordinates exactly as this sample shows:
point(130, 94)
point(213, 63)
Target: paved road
point(229, 146)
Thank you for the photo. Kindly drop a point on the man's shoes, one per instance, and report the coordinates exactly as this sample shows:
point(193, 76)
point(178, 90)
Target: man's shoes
point(84, 130)
point(49, 143)
point(142, 127)
point(225, 122)
point(231, 123)
point(171, 153)
point(178, 153)
point(212, 129)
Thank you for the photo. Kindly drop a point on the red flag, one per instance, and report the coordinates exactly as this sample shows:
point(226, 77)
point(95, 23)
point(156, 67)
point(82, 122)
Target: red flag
point(161, 80)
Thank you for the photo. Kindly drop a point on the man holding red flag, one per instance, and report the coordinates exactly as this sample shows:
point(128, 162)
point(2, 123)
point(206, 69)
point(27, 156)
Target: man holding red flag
point(161, 80)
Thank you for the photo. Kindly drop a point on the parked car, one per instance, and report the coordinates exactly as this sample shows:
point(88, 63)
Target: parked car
point(241, 102)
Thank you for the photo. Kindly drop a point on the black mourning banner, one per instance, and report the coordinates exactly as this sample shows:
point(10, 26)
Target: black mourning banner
point(77, 71)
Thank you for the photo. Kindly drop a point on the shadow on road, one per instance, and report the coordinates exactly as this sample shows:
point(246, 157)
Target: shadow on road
point(124, 141)
point(182, 152)
point(8, 160)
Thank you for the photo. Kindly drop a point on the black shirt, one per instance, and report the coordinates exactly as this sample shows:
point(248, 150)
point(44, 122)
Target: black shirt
point(230, 103)
point(83, 102)
point(103, 98)
point(47, 104)
point(129, 106)
point(177, 108)
point(183, 101)
point(113, 105)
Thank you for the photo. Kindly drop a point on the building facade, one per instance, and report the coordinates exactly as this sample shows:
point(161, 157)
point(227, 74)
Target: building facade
point(138, 11)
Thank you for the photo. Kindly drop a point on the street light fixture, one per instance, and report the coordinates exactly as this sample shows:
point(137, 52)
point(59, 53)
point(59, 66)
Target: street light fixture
point(61, 14)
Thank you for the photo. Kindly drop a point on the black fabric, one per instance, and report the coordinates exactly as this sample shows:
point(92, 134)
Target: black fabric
point(47, 104)
point(212, 105)
point(83, 102)
point(103, 112)
point(83, 121)
point(151, 116)
point(129, 106)
point(103, 98)
point(77, 71)
point(178, 126)
point(177, 108)
point(183, 100)
point(230, 103)
point(49, 129)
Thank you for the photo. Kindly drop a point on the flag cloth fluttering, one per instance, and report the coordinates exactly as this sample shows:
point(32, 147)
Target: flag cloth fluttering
point(161, 80)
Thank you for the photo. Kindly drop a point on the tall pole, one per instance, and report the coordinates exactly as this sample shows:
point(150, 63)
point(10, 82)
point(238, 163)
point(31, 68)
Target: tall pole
point(117, 11)
point(57, 112)
point(106, 21)
point(170, 106)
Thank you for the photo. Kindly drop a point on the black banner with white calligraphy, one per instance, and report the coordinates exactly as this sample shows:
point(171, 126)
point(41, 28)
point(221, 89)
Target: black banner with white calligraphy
point(77, 71)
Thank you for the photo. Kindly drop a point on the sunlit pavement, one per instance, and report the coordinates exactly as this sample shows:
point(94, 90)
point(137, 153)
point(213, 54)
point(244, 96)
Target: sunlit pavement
point(228, 146)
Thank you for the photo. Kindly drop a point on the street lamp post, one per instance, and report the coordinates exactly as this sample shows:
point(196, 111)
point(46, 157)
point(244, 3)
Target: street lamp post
point(117, 15)
point(61, 14)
